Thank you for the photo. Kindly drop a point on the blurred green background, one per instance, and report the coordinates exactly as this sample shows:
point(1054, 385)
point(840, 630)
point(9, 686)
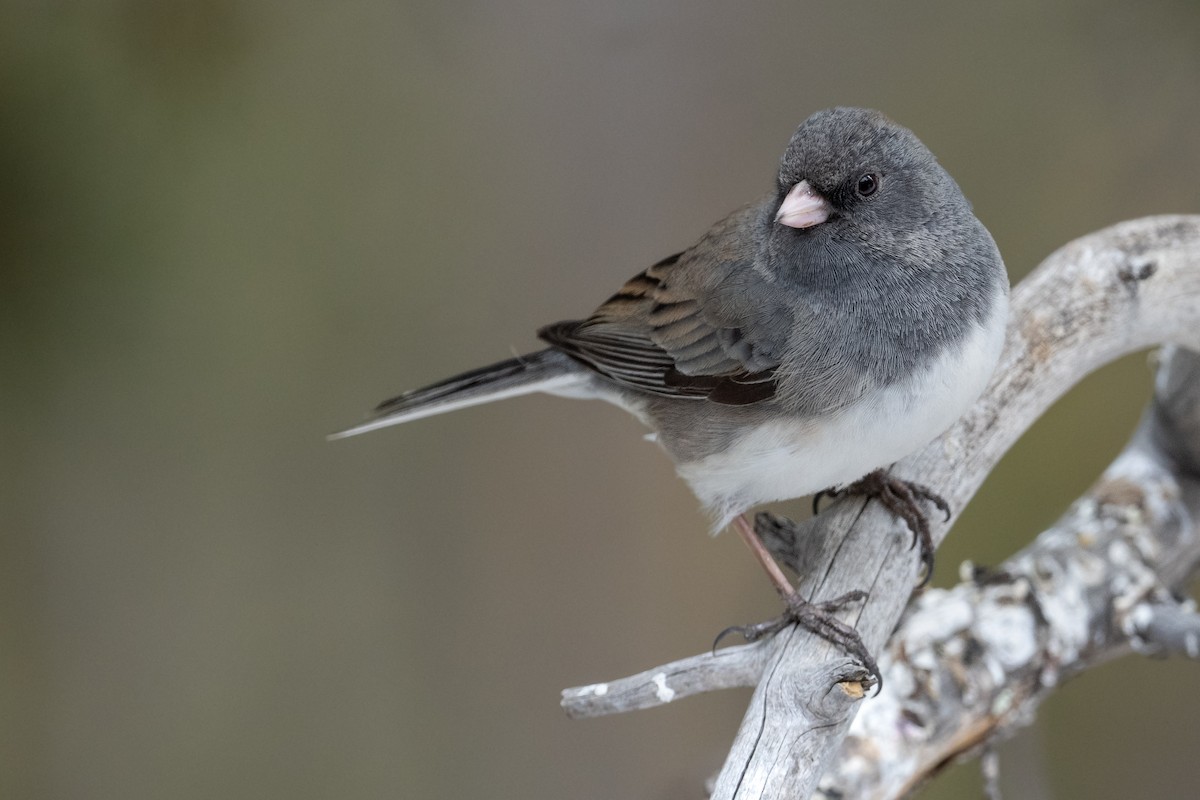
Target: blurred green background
point(228, 228)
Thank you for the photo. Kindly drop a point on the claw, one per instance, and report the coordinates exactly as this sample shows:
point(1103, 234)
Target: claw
point(752, 633)
point(926, 574)
point(817, 618)
point(731, 629)
point(816, 501)
point(903, 498)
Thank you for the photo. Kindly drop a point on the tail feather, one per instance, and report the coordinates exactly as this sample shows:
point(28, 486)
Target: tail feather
point(545, 370)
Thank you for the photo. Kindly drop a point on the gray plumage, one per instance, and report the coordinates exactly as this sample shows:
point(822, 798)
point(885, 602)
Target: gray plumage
point(763, 337)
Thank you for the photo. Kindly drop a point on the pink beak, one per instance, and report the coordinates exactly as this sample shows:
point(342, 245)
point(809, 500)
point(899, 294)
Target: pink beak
point(803, 207)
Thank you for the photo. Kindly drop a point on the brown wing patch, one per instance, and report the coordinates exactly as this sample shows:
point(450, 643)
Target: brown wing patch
point(654, 340)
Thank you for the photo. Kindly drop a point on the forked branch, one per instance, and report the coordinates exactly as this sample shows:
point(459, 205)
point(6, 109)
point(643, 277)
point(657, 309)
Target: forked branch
point(1128, 287)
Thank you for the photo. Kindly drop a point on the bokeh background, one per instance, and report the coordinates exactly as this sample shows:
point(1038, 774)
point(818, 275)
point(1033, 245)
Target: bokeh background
point(228, 228)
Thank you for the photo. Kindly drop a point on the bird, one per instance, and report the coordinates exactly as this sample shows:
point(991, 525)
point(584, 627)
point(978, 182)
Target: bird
point(805, 342)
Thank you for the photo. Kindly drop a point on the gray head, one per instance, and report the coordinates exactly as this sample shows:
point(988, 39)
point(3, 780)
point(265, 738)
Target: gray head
point(852, 178)
point(881, 246)
point(866, 167)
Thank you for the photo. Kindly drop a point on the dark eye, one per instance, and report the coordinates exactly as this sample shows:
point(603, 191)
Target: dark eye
point(868, 184)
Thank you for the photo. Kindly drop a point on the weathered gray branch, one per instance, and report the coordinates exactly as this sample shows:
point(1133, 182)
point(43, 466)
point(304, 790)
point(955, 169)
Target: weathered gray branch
point(1130, 286)
point(969, 665)
point(1169, 628)
point(730, 668)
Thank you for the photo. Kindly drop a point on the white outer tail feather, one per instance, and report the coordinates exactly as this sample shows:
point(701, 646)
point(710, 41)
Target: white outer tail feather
point(561, 384)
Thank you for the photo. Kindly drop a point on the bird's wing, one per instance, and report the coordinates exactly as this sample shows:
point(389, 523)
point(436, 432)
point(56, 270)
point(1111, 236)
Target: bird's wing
point(655, 335)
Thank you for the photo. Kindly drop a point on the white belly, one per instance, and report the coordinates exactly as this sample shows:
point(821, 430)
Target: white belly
point(793, 458)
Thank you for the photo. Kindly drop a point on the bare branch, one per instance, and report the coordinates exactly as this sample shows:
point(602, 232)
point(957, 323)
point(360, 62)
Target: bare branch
point(1127, 287)
point(1130, 286)
point(1170, 628)
point(731, 668)
point(969, 665)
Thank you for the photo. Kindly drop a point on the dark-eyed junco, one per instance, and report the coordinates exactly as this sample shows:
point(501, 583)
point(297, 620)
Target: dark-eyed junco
point(829, 329)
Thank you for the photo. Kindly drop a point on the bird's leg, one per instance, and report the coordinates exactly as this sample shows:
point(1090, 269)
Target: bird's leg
point(746, 531)
point(903, 498)
point(815, 617)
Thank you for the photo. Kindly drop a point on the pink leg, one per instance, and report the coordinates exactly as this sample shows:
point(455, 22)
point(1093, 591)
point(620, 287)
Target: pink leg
point(746, 530)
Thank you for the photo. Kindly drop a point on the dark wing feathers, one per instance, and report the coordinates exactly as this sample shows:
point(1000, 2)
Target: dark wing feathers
point(655, 337)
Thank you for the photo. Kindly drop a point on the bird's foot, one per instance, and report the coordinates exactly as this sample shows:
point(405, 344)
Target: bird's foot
point(817, 618)
point(903, 499)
